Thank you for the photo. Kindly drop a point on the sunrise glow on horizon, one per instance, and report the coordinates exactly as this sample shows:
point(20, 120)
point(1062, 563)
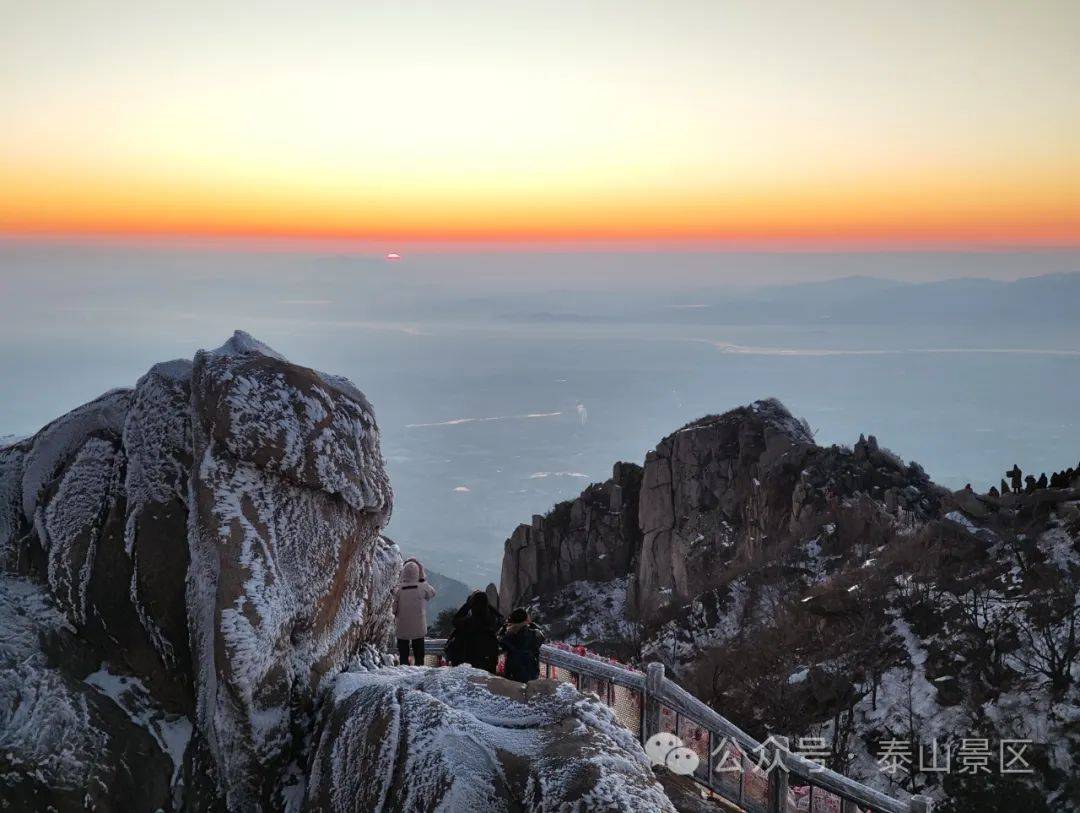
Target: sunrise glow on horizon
point(690, 123)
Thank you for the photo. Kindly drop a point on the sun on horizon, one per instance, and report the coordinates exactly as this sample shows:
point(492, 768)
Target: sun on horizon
point(687, 123)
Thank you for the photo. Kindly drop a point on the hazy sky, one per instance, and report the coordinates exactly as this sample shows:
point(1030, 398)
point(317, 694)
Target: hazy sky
point(837, 122)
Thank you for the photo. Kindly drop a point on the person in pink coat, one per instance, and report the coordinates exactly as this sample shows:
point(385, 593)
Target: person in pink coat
point(410, 611)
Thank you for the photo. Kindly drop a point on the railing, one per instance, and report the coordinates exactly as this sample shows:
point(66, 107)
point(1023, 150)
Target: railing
point(774, 781)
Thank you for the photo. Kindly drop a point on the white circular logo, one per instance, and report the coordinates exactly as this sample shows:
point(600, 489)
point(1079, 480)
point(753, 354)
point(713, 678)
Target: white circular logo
point(668, 750)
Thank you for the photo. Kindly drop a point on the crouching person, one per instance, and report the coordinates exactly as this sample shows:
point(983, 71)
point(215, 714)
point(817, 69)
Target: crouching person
point(410, 611)
point(521, 640)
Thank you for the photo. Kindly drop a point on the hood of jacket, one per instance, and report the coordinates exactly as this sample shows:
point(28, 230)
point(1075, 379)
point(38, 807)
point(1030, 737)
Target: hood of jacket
point(410, 573)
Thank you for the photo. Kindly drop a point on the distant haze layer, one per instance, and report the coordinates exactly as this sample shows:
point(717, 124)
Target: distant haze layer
point(505, 381)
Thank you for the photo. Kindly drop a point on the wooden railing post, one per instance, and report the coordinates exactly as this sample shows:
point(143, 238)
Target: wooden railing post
point(921, 804)
point(654, 682)
point(778, 779)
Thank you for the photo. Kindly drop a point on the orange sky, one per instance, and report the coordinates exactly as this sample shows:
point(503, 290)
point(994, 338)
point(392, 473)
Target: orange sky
point(694, 123)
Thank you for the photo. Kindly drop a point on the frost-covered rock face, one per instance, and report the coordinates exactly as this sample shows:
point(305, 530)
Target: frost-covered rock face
point(593, 537)
point(461, 740)
point(212, 533)
point(288, 573)
point(65, 743)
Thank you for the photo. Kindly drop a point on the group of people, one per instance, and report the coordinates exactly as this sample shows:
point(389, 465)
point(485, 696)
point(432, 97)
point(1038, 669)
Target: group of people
point(1026, 485)
point(480, 633)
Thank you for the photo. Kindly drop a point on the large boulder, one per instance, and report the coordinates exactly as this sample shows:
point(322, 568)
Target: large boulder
point(460, 739)
point(288, 574)
point(214, 535)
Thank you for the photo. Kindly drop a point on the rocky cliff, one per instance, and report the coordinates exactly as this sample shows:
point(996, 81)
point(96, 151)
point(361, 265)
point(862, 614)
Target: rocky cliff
point(838, 593)
point(194, 596)
point(594, 537)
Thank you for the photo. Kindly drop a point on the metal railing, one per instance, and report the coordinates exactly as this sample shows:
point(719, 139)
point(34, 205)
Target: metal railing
point(774, 780)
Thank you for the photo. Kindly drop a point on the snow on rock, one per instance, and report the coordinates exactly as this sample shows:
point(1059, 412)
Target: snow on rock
point(294, 422)
point(157, 445)
point(65, 744)
point(170, 731)
point(288, 571)
point(460, 739)
point(213, 533)
point(591, 614)
point(11, 516)
point(243, 343)
point(53, 446)
point(72, 523)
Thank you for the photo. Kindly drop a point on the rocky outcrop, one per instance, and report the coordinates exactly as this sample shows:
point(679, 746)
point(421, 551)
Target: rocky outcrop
point(215, 534)
point(837, 593)
point(748, 484)
point(717, 488)
point(723, 489)
point(195, 593)
point(289, 574)
point(462, 740)
point(66, 740)
point(593, 537)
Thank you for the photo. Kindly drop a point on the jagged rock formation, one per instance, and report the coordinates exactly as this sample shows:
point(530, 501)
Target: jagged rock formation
point(750, 482)
point(190, 569)
point(838, 593)
point(594, 537)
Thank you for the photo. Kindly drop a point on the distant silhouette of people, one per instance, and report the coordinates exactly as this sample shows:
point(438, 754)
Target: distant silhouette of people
point(1004, 487)
point(1030, 484)
point(473, 640)
point(1015, 474)
point(969, 489)
point(994, 492)
point(1056, 478)
point(1042, 481)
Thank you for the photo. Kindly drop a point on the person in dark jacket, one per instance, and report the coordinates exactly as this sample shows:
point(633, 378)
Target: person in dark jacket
point(473, 639)
point(521, 640)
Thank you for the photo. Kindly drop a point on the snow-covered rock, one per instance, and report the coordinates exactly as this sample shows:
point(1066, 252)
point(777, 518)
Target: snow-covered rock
point(288, 572)
point(462, 740)
point(214, 533)
point(65, 743)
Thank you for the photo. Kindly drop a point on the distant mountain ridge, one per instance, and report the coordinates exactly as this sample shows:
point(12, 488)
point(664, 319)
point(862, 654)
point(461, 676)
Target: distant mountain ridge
point(861, 300)
point(869, 300)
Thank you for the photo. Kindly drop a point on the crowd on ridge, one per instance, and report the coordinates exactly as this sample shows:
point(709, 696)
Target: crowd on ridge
point(1030, 484)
